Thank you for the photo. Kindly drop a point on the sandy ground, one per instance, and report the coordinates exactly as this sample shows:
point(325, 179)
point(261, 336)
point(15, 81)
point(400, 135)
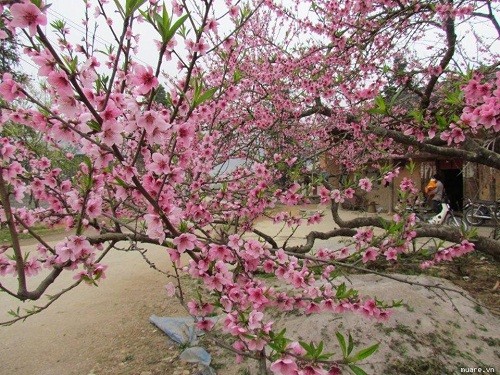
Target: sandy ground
point(105, 329)
point(88, 324)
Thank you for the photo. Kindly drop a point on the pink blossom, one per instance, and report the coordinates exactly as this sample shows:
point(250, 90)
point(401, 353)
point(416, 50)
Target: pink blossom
point(60, 82)
point(7, 151)
point(334, 370)
point(391, 254)
point(285, 366)
point(111, 112)
point(144, 79)
point(186, 241)
point(65, 253)
point(453, 135)
point(151, 121)
point(337, 196)
point(256, 344)
point(212, 25)
point(349, 193)
point(170, 289)
point(234, 11)
point(389, 176)
point(370, 254)
point(324, 194)
point(185, 133)
point(94, 207)
point(205, 324)
point(178, 9)
point(311, 370)
point(315, 218)
point(364, 235)
point(426, 264)
point(365, 184)
point(296, 349)
point(6, 266)
point(256, 295)
point(154, 227)
point(99, 271)
point(9, 88)
point(160, 164)
point(254, 319)
point(469, 119)
point(408, 186)
point(27, 14)
point(201, 47)
point(111, 134)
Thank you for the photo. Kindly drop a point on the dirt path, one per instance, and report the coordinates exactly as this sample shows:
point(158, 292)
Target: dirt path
point(91, 327)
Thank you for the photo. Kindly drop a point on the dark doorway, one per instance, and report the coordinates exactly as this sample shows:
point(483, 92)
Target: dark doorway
point(454, 187)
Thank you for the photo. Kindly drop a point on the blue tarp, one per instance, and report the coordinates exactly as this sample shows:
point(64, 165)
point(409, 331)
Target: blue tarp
point(182, 331)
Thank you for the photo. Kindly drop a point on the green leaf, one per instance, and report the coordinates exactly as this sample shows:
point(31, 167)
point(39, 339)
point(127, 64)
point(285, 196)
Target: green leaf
point(278, 341)
point(356, 370)
point(308, 347)
point(380, 102)
point(380, 106)
point(275, 346)
point(237, 76)
point(454, 97)
point(94, 125)
point(71, 63)
point(165, 18)
point(174, 28)
point(183, 227)
point(184, 31)
point(131, 6)
point(88, 280)
point(14, 313)
point(364, 353)
point(120, 182)
point(395, 97)
point(162, 24)
point(58, 25)
point(205, 96)
point(340, 290)
point(279, 335)
point(38, 3)
point(87, 162)
point(350, 345)
point(341, 340)
point(410, 167)
point(147, 16)
point(441, 122)
point(417, 115)
point(319, 349)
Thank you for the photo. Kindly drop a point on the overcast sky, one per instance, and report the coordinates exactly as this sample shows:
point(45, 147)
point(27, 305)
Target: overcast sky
point(72, 11)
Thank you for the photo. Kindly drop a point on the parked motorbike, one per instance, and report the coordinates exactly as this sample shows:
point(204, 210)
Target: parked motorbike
point(446, 216)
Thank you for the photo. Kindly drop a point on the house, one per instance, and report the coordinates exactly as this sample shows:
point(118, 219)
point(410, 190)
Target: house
point(461, 180)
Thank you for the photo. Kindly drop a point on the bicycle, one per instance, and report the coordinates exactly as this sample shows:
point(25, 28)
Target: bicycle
point(477, 212)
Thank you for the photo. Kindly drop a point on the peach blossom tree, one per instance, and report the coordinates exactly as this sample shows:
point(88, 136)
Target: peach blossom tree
point(189, 150)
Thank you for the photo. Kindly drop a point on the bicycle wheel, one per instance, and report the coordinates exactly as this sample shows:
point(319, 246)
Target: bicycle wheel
point(457, 222)
point(496, 210)
point(470, 215)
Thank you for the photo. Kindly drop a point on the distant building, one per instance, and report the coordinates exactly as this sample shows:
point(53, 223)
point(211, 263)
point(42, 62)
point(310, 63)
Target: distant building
point(461, 180)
